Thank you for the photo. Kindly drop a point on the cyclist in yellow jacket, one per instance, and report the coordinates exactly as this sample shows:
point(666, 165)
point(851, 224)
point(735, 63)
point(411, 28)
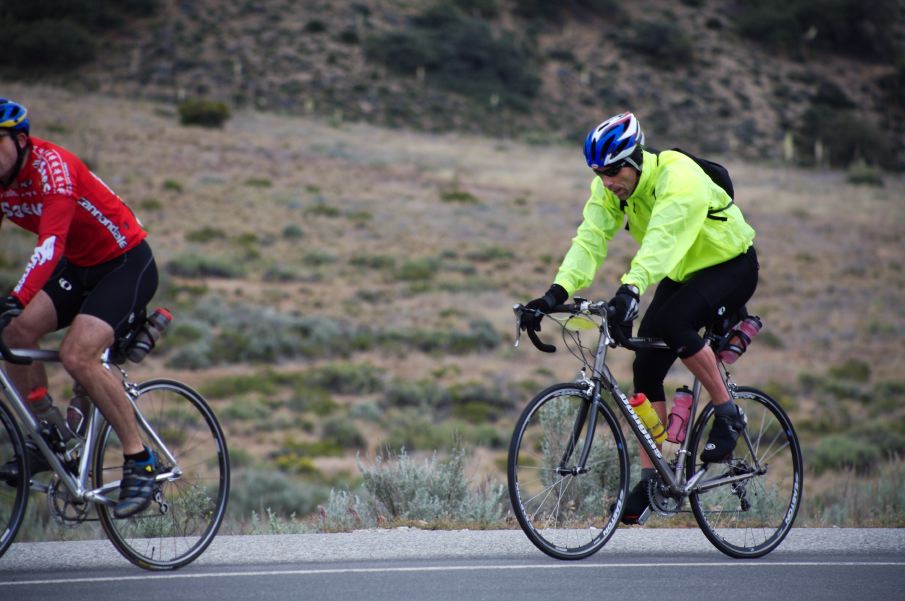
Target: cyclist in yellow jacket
point(694, 244)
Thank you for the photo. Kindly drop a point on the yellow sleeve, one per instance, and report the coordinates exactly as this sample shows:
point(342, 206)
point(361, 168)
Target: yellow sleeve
point(602, 217)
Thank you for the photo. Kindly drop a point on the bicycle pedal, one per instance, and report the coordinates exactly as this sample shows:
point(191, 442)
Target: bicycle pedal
point(645, 515)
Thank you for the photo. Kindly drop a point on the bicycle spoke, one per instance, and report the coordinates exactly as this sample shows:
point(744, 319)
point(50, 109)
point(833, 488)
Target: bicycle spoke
point(565, 514)
point(751, 516)
point(187, 509)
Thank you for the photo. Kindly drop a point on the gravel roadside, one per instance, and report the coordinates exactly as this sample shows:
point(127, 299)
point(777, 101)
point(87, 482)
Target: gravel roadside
point(410, 543)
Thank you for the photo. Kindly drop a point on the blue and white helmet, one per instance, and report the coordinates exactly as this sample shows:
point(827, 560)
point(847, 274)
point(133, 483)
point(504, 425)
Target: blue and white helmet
point(613, 141)
point(13, 116)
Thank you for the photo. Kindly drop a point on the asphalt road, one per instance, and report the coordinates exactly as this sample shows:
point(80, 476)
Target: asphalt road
point(407, 564)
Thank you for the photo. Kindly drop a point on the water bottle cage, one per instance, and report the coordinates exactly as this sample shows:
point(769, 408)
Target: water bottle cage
point(739, 348)
point(122, 348)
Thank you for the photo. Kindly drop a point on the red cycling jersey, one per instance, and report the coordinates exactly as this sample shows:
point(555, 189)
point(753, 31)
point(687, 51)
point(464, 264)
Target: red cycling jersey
point(73, 212)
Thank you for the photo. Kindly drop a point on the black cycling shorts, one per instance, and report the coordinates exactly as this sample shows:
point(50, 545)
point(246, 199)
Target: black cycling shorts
point(115, 291)
point(679, 310)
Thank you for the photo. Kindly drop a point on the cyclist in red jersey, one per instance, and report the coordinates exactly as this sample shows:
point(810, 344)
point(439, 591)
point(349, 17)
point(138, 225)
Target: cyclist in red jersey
point(91, 270)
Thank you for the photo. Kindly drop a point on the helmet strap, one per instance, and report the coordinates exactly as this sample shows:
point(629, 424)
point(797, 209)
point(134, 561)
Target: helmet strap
point(636, 159)
point(20, 158)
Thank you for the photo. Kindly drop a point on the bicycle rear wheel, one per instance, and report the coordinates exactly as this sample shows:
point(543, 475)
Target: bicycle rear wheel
point(187, 509)
point(566, 514)
point(13, 490)
point(750, 517)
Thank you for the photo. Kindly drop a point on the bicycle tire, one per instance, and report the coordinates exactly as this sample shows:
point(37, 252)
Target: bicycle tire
point(13, 496)
point(566, 515)
point(751, 519)
point(179, 526)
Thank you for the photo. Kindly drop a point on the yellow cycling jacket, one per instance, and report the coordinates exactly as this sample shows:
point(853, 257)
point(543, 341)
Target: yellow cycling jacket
point(668, 216)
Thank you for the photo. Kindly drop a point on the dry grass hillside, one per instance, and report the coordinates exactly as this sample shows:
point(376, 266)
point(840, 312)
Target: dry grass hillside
point(339, 289)
point(727, 77)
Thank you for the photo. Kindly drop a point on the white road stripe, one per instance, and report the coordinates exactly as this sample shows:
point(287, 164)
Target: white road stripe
point(562, 566)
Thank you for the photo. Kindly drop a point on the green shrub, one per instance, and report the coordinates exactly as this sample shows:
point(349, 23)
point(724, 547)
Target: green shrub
point(313, 400)
point(861, 502)
point(206, 113)
point(462, 54)
point(47, 45)
point(293, 232)
point(172, 185)
point(479, 8)
point(460, 196)
point(418, 269)
point(545, 10)
point(845, 137)
point(205, 234)
point(245, 410)
point(346, 378)
point(663, 43)
point(853, 369)
point(344, 433)
point(199, 266)
point(849, 27)
point(415, 430)
point(259, 490)
point(322, 209)
point(491, 253)
point(840, 451)
point(422, 393)
point(434, 490)
point(477, 403)
point(151, 204)
point(860, 173)
point(374, 261)
point(228, 386)
point(315, 448)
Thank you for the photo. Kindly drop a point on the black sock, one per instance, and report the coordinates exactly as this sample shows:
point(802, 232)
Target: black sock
point(647, 473)
point(142, 457)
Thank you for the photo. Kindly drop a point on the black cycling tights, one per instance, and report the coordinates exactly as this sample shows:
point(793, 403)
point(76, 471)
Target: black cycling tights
point(678, 312)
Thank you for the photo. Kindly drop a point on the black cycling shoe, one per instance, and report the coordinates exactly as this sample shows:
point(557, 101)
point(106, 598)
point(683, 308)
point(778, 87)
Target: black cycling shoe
point(137, 487)
point(723, 436)
point(637, 505)
point(9, 471)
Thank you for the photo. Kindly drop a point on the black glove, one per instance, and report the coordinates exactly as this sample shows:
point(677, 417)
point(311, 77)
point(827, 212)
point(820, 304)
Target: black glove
point(9, 308)
point(556, 295)
point(625, 304)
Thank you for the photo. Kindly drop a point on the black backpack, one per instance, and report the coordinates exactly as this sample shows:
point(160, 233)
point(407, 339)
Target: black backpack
point(717, 173)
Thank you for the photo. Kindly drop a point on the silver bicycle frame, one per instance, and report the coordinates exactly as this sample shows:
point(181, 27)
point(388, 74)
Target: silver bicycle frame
point(78, 487)
point(674, 479)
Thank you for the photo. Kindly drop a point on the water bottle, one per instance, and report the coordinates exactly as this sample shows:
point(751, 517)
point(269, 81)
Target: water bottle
point(647, 414)
point(740, 338)
point(78, 410)
point(678, 417)
point(52, 425)
point(149, 334)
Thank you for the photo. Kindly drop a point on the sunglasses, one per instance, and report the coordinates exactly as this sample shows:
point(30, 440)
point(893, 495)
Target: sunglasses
point(611, 170)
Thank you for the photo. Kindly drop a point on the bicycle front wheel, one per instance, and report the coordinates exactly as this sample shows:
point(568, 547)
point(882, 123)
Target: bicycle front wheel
point(13, 479)
point(750, 516)
point(189, 506)
point(567, 510)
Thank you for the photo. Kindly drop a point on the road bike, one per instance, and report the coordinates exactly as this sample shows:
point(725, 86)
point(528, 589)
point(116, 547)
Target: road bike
point(192, 484)
point(568, 464)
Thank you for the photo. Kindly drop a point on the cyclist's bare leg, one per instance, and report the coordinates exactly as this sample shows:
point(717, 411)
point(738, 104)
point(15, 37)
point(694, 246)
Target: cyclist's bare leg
point(80, 352)
point(704, 367)
point(36, 320)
